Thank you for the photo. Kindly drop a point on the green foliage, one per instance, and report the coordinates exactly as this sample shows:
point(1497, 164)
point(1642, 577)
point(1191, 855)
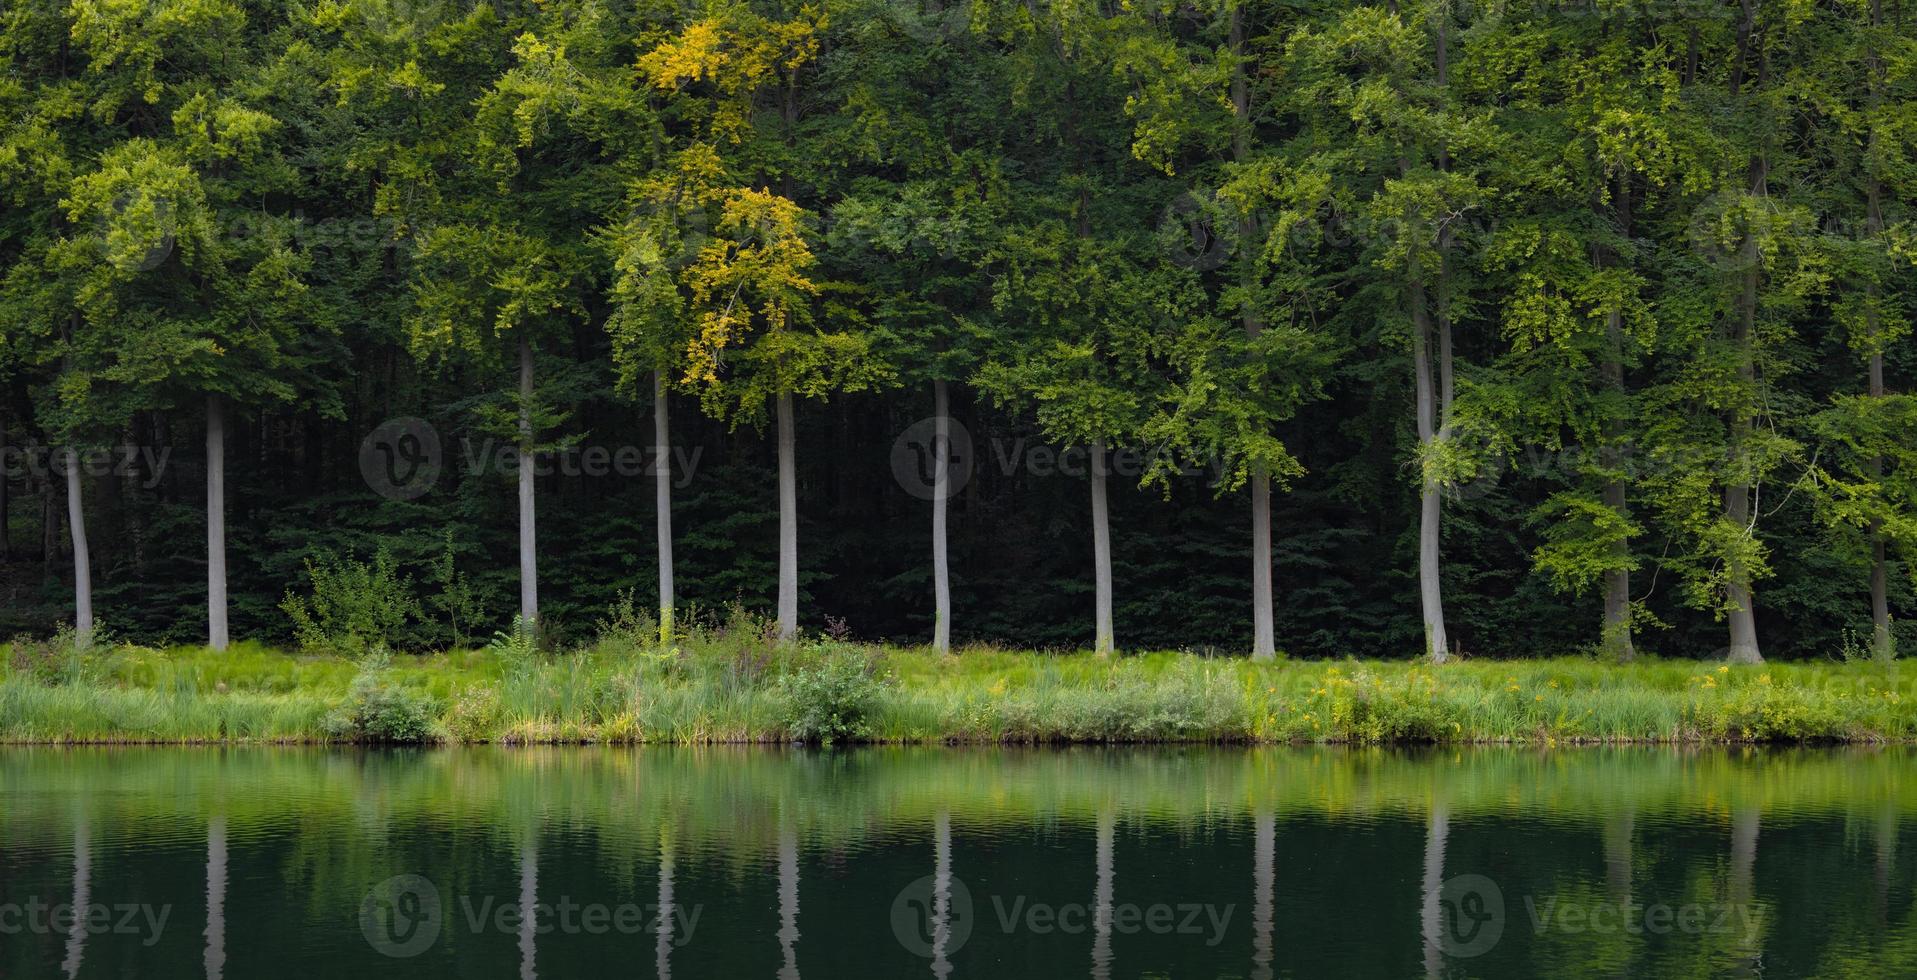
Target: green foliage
point(1667, 254)
point(354, 606)
point(378, 709)
point(517, 649)
point(831, 700)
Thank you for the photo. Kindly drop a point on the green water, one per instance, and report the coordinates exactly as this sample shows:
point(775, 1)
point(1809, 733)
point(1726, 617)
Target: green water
point(953, 862)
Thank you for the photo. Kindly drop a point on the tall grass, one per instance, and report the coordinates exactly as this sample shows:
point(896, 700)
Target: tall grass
point(731, 682)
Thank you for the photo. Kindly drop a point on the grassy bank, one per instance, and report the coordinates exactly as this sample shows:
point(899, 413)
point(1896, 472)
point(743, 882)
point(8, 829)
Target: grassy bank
point(717, 686)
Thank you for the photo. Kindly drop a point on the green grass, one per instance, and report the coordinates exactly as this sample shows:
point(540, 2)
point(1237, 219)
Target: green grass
point(720, 685)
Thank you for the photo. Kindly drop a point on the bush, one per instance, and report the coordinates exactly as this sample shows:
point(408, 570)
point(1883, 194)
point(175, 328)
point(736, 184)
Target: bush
point(518, 650)
point(475, 716)
point(829, 701)
point(354, 607)
point(378, 710)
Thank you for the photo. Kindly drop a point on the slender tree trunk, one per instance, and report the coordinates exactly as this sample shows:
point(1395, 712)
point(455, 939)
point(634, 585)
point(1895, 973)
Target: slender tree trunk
point(215, 523)
point(49, 528)
point(216, 898)
point(1431, 916)
point(1737, 493)
point(1743, 620)
point(789, 902)
point(1102, 890)
point(788, 524)
point(1881, 643)
point(6, 511)
point(1101, 552)
point(1263, 637)
point(941, 490)
point(1264, 640)
point(1430, 504)
point(662, 502)
point(528, 521)
point(1616, 637)
point(82, 565)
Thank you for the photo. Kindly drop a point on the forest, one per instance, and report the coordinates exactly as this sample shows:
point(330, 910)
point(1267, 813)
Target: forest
point(1411, 329)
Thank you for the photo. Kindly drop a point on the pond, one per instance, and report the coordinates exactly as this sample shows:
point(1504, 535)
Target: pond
point(940, 862)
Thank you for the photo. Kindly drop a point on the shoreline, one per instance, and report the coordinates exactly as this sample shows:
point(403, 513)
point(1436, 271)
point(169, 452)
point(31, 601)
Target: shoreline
point(720, 690)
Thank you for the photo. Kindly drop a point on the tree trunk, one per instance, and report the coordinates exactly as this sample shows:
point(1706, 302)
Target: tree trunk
point(1430, 512)
point(6, 511)
point(215, 523)
point(1743, 620)
point(1616, 639)
point(788, 524)
point(1102, 890)
point(941, 490)
point(1882, 646)
point(1101, 552)
point(1431, 917)
point(216, 898)
point(82, 566)
point(662, 502)
point(1263, 639)
point(528, 531)
point(1737, 493)
point(789, 902)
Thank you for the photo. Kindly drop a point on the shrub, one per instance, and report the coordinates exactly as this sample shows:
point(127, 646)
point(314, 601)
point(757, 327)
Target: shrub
point(631, 630)
point(517, 650)
point(455, 597)
point(354, 607)
point(60, 660)
point(828, 701)
point(378, 710)
point(475, 715)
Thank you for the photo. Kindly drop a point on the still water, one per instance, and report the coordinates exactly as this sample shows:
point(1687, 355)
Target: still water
point(956, 862)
